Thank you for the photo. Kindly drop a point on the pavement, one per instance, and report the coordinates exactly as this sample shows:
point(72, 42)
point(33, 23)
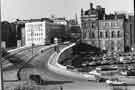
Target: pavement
point(51, 71)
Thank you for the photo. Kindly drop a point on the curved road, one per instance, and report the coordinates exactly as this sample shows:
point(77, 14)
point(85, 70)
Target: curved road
point(45, 64)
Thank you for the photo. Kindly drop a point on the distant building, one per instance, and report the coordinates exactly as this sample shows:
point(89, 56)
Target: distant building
point(41, 32)
point(60, 21)
point(8, 34)
point(106, 34)
point(35, 33)
point(92, 13)
point(75, 32)
point(20, 30)
point(101, 30)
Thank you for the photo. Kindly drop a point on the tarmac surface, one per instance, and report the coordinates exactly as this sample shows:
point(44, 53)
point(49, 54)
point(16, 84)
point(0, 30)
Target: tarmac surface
point(39, 65)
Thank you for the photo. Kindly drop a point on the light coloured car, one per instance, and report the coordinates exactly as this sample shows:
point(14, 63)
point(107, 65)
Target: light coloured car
point(94, 72)
point(115, 82)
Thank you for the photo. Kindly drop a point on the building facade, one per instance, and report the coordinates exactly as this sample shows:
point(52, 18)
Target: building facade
point(108, 34)
point(41, 32)
point(8, 34)
point(129, 33)
point(60, 21)
point(35, 33)
point(75, 32)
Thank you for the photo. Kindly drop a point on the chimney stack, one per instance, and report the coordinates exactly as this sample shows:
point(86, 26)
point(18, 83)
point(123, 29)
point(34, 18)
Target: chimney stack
point(82, 12)
point(91, 5)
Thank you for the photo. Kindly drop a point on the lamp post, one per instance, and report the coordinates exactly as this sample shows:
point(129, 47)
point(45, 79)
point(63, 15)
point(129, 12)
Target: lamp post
point(1, 72)
point(32, 33)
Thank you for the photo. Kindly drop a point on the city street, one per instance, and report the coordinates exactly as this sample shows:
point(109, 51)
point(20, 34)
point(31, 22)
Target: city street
point(67, 45)
point(39, 65)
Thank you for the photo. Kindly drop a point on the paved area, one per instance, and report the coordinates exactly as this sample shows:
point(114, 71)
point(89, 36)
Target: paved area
point(39, 66)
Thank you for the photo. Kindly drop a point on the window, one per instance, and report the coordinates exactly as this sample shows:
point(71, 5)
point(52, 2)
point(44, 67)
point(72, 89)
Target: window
point(116, 24)
point(101, 34)
point(118, 34)
point(106, 24)
point(93, 25)
point(93, 35)
point(112, 24)
point(113, 34)
point(84, 35)
point(90, 35)
point(107, 34)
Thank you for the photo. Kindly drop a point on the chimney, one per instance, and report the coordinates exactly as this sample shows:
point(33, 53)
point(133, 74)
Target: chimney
point(81, 12)
point(91, 5)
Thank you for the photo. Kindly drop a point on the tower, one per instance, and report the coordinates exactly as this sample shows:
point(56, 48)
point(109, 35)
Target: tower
point(76, 18)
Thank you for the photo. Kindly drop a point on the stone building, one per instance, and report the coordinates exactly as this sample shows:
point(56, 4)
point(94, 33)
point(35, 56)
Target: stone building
point(40, 31)
point(8, 34)
point(129, 33)
point(97, 30)
point(75, 32)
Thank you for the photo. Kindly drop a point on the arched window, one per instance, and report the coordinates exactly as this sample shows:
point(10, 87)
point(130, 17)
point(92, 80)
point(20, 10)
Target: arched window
point(93, 35)
point(101, 34)
point(112, 45)
point(107, 34)
point(84, 35)
point(118, 34)
point(90, 35)
point(113, 34)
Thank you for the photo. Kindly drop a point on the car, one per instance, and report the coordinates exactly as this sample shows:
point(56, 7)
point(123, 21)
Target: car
point(100, 80)
point(116, 82)
point(70, 67)
point(95, 72)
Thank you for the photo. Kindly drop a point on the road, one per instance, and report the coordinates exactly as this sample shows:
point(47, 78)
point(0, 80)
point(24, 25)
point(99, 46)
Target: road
point(39, 65)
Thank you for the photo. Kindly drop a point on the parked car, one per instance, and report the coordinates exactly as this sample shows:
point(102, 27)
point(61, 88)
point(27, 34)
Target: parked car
point(115, 81)
point(70, 67)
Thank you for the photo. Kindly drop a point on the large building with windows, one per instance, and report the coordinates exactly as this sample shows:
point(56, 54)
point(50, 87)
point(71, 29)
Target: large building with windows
point(101, 31)
point(35, 33)
point(41, 32)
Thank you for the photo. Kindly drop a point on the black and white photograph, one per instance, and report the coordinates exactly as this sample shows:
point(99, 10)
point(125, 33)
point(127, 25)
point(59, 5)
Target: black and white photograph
point(67, 45)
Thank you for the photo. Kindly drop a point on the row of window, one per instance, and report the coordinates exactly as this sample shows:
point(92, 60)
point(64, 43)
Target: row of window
point(110, 45)
point(35, 34)
point(34, 25)
point(35, 39)
point(101, 24)
point(92, 25)
point(39, 29)
point(106, 34)
point(113, 34)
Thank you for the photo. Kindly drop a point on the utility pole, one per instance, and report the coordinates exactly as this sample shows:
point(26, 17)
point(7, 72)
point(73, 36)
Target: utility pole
point(98, 34)
point(1, 72)
point(32, 33)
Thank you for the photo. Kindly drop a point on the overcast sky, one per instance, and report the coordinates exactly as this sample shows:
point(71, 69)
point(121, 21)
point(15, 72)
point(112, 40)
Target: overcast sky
point(26, 9)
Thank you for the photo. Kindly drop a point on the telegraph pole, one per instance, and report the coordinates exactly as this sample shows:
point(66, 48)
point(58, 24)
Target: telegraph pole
point(1, 72)
point(32, 33)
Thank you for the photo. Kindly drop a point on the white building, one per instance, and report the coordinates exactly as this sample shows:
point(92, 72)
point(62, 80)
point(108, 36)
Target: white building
point(62, 21)
point(35, 33)
point(42, 31)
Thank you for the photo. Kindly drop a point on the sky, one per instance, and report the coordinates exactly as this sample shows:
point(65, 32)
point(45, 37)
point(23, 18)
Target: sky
point(30, 9)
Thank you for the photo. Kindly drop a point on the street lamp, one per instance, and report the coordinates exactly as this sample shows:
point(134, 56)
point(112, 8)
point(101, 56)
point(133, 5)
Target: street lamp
point(32, 44)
